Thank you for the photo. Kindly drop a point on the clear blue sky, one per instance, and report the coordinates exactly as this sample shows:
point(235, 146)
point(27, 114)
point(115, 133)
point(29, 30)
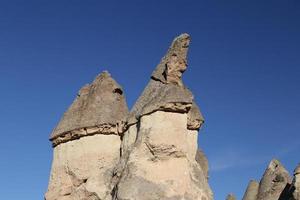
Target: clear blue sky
point(244, 70)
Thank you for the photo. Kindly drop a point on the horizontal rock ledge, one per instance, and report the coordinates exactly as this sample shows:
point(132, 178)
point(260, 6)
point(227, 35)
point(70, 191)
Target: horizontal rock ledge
point(105, 129)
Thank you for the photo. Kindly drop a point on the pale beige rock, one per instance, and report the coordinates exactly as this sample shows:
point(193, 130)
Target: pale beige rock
point(192, 144)
point(83, 168)
point(160, 165)
point(152, 155)
point(251, 191)
point(273, 182)
point(296, 183)
point(202, 161)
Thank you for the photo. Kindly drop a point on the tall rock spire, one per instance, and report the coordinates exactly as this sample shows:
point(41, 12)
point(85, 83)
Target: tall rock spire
point(87, 143)
point(162, 133)
point(152, 154)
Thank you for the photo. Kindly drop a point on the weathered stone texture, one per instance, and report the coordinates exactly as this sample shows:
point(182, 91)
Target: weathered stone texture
point(166, 91)
point(202, 161)
point(296, 183)
point(251, 191)
point(102, 152)
point(162, 160)
point(273, 182)
point(99, 105)
point(82, 169)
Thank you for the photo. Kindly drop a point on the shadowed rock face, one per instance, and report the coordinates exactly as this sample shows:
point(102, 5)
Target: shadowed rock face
point(252, 190)
point(273, 182)
point(98, 107)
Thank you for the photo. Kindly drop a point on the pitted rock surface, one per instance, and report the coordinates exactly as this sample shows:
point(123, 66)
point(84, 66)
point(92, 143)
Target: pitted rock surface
point(99, 104)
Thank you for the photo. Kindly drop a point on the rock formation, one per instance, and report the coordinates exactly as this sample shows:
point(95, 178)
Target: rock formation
point(275, 184)
point(296, 183)
point(252, 191)
point(162, 133)
point(102, 152)
point(87, 144)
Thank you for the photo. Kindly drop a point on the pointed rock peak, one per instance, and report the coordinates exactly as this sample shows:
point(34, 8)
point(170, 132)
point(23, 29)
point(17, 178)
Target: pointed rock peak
point(273, 182)
point(275, 165)
point(251, 191)
point(253, 182)
point(97, 104)
point(165, 91)
point(230, 197)
point(174, 63)
point(297, 170)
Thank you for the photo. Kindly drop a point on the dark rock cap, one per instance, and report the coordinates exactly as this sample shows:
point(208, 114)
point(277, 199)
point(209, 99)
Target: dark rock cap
point(98, 103)
point(273, 182)
point(179, 48)
point(166, 91)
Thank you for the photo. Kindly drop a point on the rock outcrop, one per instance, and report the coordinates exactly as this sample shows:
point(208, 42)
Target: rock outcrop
point(160, 146)
point(296, 183)
point(251, 191)
point(87, 143)
point(273, 182)
point(276, 184)
point(103, 152)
